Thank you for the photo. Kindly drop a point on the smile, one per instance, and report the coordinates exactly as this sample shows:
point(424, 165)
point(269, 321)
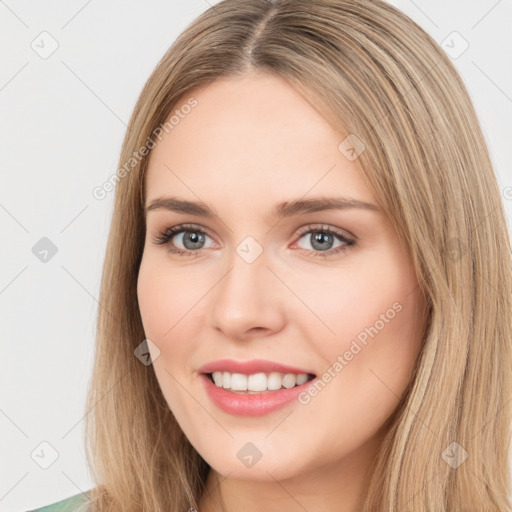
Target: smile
point(253, 388)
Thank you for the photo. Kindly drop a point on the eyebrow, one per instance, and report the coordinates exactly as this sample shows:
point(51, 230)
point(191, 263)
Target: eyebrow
point(281, 210)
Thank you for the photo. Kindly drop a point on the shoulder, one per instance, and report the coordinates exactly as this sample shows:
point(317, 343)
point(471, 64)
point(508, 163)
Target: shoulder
point(76, 503)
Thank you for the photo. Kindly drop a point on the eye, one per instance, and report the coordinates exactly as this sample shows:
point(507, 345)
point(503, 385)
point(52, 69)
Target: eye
point(322, 239)
point(192, 238)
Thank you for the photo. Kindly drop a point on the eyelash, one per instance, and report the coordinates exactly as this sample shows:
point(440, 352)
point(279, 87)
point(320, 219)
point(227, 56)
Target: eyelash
point(164, 237)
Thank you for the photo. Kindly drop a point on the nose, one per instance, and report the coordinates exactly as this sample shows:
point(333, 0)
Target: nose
point(248, 300)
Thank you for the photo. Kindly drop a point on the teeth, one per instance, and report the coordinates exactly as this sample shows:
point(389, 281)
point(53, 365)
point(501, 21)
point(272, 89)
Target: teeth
point(301, 378)
point(218, 378)
point(274, 381)
point(289, 380)
point(238, 382)
point(258, 381)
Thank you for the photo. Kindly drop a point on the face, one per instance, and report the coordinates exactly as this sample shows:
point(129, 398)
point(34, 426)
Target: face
point(265, 292)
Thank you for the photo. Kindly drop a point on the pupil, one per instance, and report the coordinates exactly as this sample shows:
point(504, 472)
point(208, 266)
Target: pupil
point(321, 238)
point(194, 238)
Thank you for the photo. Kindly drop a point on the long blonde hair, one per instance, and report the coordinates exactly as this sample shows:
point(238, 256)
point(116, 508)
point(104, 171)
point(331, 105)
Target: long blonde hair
point(374, 73)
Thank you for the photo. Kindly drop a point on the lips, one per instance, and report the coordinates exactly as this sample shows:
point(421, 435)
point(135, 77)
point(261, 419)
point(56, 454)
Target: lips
point(250, 367)
point(247, 403)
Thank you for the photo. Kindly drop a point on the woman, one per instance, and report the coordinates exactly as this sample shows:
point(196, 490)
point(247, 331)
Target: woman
point(305, 302)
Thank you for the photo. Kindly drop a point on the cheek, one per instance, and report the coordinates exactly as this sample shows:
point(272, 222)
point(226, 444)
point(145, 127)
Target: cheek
point(153, 298)
point(164, 299)
point(365, 379)
point(355, 303)
point(375, 315)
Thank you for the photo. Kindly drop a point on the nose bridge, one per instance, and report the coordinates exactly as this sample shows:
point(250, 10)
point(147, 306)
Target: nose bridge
point(247, 296)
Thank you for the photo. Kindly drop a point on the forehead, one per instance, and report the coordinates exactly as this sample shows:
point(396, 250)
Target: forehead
point(251, 138)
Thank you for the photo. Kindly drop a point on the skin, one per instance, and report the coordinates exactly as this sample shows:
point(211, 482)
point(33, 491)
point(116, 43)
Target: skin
point(249, 144)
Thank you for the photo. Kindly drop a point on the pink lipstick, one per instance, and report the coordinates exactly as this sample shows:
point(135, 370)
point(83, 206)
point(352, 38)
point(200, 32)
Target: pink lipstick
point(253, 388)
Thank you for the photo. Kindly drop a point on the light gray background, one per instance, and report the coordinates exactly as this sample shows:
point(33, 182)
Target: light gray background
point(62, 124)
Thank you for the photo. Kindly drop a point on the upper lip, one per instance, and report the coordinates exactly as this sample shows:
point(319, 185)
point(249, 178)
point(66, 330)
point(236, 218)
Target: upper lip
point(250, 367)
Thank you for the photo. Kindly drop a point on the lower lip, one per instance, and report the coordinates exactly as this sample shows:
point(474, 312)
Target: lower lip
point(255, 404)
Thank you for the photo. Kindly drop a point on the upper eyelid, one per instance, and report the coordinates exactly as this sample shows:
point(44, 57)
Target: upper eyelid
point(179, 228)
point(326, 227)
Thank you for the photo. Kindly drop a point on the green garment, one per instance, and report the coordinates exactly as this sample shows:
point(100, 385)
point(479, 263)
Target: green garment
point(76, 503)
